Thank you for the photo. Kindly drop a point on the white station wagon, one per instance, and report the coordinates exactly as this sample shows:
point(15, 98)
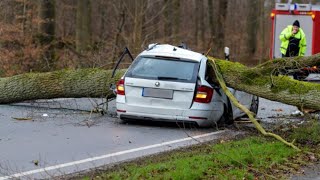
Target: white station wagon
point(170, 83)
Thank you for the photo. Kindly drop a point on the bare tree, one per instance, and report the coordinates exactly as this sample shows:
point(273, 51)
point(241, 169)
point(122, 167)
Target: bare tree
point(167, 19)
point(138, 23)
point(47, 31)
point(222, 13)
point(196, 23)
point(202, 25)
point(176, 21)
point(252, 27)
point(121, 18)
point(83, 31)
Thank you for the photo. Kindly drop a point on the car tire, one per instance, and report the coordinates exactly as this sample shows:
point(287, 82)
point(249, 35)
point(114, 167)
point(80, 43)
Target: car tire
point(227, 117)
point(123, 121)
point(255, 105)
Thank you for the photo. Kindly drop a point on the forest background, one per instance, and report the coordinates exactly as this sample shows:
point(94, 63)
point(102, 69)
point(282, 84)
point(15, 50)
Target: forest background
point(47, 35)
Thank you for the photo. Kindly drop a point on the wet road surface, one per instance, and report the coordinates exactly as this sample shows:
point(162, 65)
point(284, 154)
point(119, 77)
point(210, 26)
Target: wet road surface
point(34, 136)
point(53, 137)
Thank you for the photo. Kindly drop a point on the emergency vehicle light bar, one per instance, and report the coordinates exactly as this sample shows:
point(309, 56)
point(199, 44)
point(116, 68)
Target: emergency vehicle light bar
point(291, 7)
point(282, 7)
point(303, 7)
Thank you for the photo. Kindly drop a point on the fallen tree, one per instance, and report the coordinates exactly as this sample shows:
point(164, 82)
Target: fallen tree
point(57, 84)
point(264, 81)
point(261, 80)
point(234, 100)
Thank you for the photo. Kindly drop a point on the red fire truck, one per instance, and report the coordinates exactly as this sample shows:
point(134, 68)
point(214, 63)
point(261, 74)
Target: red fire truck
point(309, 17)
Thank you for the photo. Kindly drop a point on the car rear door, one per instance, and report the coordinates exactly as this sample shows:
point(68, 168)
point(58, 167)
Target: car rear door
point(243, 98)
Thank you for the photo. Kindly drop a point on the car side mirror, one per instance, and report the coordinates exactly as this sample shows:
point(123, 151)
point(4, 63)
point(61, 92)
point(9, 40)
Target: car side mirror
point(227, 53)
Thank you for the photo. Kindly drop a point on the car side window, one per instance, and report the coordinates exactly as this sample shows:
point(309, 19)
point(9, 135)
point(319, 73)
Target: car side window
point(209, 75)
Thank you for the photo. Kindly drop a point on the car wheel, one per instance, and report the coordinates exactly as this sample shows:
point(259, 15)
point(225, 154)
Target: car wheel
point(227, 117)
point(123, 121)
point(255, 105)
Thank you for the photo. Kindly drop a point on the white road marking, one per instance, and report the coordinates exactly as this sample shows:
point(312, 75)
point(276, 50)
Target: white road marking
point(46, 169)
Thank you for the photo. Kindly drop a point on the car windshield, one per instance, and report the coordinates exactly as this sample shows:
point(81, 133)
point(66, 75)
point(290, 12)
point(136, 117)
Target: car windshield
point(164, 69)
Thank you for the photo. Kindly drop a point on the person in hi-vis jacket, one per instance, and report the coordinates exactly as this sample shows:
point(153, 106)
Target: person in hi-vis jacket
point(293, 41)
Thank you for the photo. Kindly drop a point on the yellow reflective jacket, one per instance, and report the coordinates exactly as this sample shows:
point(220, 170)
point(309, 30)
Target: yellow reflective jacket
point(285, 36)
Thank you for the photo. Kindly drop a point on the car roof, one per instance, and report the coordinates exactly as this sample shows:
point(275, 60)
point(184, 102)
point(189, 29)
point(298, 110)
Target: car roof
point(172, 51)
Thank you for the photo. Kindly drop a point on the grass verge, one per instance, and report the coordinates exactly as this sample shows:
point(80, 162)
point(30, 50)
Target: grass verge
point(307, 133)
point(249, 158)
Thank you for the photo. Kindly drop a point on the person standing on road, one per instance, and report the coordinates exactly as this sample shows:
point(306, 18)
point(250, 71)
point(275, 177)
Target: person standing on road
point(293, 41)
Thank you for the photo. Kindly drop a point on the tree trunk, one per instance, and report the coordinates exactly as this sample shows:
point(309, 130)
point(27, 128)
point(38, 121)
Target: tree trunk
point(21, 14)
point(83, 31)
point(47, 31)
point(222, 13)
point(202, 25)
point(252, 27)
point(196, 23)
point(64, 84)
point(120, 24)
point(167, 20)
point(138, 19)
point(259, 81)
point(176, 22)
point(213, 19)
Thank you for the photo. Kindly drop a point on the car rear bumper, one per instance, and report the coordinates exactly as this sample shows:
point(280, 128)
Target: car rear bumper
point(201, 117)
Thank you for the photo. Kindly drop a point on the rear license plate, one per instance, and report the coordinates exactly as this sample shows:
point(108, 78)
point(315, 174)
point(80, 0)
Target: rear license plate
point(157, 93)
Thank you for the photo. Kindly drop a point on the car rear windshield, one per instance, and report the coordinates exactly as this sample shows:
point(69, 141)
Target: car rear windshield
point(164, 69)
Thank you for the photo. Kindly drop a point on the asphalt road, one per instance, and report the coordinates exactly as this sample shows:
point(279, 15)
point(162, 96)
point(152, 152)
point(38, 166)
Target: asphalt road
point(54, 137)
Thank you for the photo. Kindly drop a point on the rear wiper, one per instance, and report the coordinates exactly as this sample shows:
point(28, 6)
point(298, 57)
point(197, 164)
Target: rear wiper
point(169, 78)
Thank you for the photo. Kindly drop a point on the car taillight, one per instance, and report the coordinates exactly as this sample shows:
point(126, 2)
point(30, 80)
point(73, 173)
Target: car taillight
point(204, 94)
point(120, 87)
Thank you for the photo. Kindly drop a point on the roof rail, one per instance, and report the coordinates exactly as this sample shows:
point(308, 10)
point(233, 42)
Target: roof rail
point(183, 45)
point(151, 46)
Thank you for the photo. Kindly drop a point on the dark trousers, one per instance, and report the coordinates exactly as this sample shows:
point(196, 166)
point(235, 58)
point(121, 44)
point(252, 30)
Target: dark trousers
point(295, 74)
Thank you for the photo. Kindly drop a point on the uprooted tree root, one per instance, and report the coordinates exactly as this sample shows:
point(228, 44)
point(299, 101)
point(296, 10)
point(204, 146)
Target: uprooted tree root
point(246, 110)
